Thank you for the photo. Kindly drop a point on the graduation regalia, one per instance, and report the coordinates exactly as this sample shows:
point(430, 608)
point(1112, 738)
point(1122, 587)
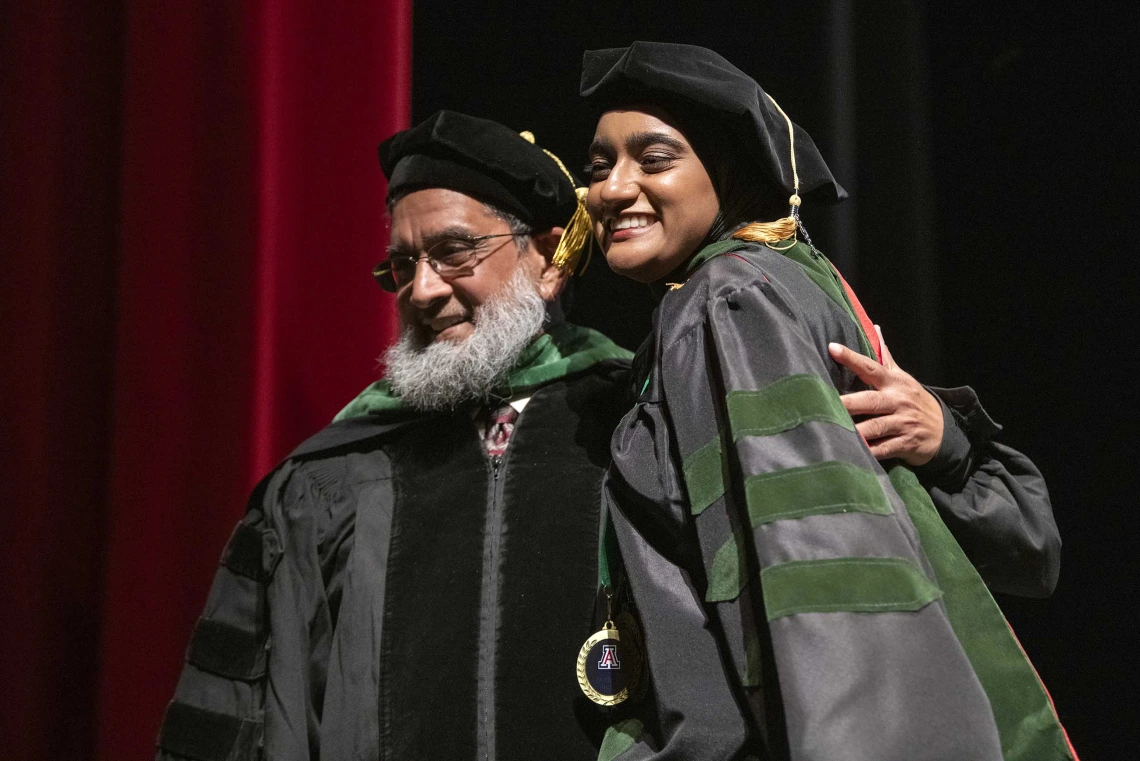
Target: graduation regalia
point(349, 619)
point(797, 599)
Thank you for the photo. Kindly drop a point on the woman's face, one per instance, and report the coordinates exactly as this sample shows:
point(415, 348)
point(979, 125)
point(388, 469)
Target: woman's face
point(651, 200)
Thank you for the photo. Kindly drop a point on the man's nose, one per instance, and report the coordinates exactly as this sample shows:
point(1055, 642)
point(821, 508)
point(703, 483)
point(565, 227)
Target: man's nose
point(427, 286)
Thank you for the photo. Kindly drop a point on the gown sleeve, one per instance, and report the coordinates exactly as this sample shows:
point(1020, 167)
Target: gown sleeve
point(241, 693)
point(993, 499)
point(785, 576)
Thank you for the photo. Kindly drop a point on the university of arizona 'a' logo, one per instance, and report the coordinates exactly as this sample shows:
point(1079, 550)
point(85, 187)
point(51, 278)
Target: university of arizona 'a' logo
point(609, 658)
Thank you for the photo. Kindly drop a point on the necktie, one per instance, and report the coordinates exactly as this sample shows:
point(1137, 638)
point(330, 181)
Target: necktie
point(497, 432)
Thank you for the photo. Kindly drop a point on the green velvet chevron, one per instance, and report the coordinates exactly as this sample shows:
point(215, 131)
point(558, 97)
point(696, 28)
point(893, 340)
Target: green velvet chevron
point(779, 407)
point(860, 585)
point(820, 489)
point(704, 476)
point(785, 404)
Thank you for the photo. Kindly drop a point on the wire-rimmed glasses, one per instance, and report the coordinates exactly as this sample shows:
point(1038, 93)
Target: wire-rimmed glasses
point(450, 258)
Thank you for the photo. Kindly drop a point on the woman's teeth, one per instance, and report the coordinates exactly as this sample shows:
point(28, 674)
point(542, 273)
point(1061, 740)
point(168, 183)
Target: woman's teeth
point(636, 220)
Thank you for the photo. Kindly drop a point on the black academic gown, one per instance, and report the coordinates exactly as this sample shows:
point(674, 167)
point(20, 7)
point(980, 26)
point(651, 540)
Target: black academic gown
point(393, 593)
point(788, 607)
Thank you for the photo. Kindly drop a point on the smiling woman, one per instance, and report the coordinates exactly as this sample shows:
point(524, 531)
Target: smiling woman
point(822, 607)
point(651, 198)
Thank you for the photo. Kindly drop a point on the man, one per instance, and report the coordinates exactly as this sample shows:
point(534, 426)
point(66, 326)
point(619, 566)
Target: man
point(414, 581)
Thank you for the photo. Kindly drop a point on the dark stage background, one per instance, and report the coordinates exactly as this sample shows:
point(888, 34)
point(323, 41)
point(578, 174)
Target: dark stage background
point(189, 203)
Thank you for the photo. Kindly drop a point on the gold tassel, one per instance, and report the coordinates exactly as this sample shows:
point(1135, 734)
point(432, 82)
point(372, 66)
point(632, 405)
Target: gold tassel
point(577, 234)
point(782, 229)
point(576, 237)
point(768, 232)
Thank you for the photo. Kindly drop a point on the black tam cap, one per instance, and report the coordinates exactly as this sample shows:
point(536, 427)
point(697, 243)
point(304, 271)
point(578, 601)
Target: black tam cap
point(701, 83)
point(482, 159)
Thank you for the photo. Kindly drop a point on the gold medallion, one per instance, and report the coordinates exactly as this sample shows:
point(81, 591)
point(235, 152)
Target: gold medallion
point(610, 663)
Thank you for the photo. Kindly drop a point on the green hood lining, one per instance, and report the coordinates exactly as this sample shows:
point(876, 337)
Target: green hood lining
point(564, 349)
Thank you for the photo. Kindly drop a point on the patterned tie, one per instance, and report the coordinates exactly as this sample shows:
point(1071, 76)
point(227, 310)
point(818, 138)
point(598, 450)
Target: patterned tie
point(497, 430)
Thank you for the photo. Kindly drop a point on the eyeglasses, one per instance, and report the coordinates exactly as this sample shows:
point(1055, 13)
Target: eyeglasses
point(450, 258)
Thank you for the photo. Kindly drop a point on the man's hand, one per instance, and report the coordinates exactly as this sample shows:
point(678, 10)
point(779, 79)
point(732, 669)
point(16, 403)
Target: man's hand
point(906, 419)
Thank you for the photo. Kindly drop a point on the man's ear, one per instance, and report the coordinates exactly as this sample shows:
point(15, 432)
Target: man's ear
point(551, 279)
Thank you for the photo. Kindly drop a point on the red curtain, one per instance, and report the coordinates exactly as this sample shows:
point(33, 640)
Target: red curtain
point(191, 205)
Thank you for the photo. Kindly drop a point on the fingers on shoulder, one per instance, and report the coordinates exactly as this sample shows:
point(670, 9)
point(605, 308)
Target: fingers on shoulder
point(881, 427)
point(866, 403)
point(868, 370)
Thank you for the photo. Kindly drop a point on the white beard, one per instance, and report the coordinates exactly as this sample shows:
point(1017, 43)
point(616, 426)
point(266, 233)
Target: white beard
point(438, 375)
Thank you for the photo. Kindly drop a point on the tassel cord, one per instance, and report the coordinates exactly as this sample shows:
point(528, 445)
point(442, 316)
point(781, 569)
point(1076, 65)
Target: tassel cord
point(577, 234)
point(786, 228)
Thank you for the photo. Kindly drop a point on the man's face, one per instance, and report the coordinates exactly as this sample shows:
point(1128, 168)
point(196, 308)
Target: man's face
point(439, 309)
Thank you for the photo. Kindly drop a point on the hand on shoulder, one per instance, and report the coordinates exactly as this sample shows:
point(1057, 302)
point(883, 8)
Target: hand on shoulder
point(904, 420)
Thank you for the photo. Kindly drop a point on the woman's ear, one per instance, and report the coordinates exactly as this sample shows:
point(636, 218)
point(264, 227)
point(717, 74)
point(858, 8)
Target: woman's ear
point(551, 279)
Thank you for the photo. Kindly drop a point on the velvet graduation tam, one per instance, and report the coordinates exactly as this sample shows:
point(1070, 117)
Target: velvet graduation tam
point(701, 82)
point(482, 159)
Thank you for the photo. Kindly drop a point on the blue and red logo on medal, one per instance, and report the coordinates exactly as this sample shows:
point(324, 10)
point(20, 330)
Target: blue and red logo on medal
point(611, 663)
point(604, 667)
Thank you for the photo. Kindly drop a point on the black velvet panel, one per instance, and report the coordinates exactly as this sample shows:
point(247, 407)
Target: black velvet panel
point(243, 553)
point(431, 621)
point(202, 735)
point(555, 463)
point(227, 651)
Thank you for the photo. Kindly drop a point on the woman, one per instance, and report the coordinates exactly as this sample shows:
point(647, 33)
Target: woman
point(797, 601)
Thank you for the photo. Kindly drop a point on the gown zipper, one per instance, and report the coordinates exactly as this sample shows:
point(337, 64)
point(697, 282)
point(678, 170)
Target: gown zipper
point(489, 609)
